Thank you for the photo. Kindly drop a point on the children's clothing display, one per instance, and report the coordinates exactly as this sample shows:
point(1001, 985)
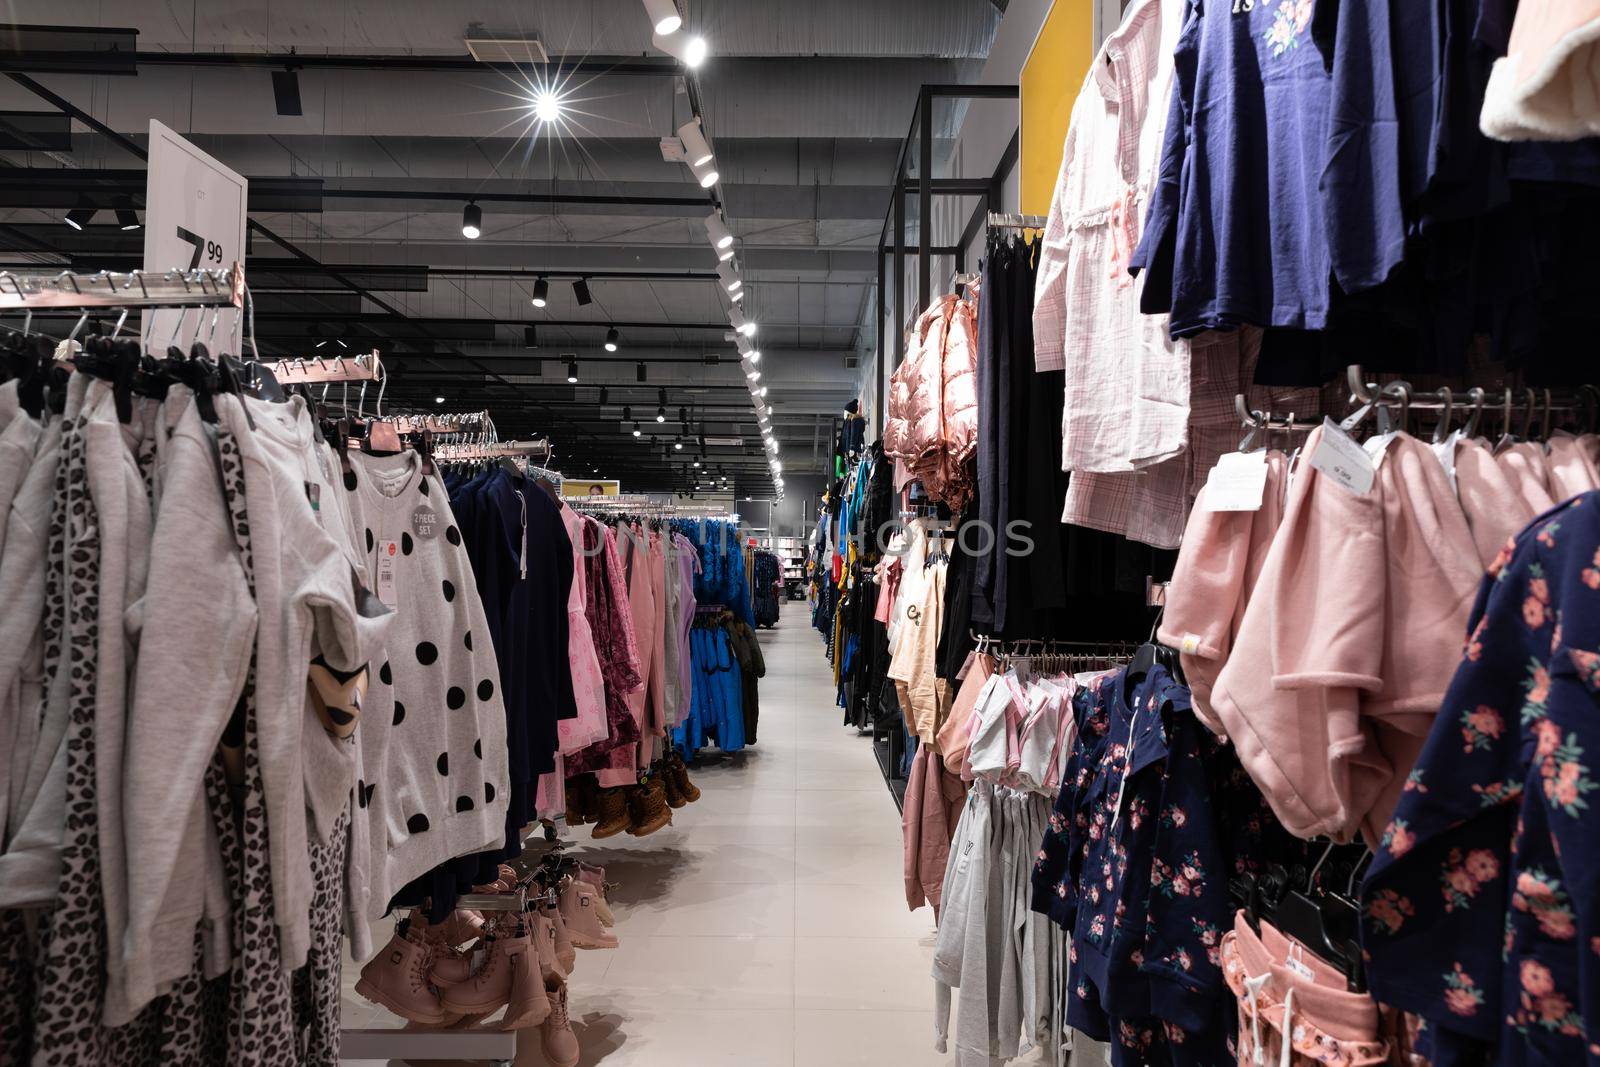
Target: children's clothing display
point(400, 654)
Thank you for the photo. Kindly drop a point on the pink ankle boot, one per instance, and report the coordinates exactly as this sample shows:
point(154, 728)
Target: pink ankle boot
point(489, 989)
point(560, 1044)
point(397, 978)
point(526, 1002)
point(583, 922)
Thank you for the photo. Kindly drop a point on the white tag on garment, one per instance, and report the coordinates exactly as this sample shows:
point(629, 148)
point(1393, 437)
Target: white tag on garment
point(1294, 963)
point(388, 557)
point(1339, 457)
point(1377, 447)
point(1237, 482)
point(1190, 644)
point(1446, 451)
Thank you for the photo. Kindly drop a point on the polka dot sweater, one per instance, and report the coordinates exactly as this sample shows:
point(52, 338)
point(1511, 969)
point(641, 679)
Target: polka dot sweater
point(433, 779)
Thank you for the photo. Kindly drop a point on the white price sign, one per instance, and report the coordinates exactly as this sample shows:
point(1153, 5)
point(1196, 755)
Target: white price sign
point(194, 218)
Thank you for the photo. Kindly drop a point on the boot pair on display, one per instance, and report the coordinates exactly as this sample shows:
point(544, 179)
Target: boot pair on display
point(639, 810)
point(424, 975)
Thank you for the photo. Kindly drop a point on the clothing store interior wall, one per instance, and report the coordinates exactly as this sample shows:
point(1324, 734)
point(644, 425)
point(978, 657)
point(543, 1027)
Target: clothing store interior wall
point(652, 532)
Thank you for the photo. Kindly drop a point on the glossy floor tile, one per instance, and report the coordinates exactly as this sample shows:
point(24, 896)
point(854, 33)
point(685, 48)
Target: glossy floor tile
point(768, 924)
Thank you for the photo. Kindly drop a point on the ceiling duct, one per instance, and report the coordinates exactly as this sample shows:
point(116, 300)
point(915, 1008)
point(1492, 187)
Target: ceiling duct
point(494, 48)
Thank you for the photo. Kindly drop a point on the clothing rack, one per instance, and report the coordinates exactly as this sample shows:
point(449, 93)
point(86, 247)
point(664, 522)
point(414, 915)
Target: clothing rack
point(316, 370)
point(112, 289)
point(460, 422)
point(1584, 402)
point(492, 450)
point(1007, 220)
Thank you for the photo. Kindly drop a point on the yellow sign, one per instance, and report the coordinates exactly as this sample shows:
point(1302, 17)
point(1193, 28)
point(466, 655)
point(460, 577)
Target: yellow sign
point(1050, 81)
point(590, 487)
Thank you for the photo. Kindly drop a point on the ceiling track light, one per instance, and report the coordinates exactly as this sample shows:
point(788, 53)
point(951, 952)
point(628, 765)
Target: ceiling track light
point(706, 174)
point(720, 236)
point(664, 17)
point(611, 339)
point(472, 221)
point(683, 417)
point(530, 337)
point(695, 146)
point(728, 274)
point(286, 91)
point(687, 48)
point(541, 292)
point(636, 431)
point(572, 372)
point(127, 218)
point(627, 413)
point(755, 355)
point(640, 373)
point(580, 292)
point(605, 395)
point(80, 216)
point(736, 297)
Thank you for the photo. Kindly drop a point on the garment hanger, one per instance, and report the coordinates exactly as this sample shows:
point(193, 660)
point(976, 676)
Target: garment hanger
point(1476, 395)
point(1441, 430)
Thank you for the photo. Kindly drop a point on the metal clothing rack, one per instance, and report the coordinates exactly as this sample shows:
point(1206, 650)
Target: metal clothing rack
point(465, 453)
point(1002, 220)
point(317, 370)
point(115, 290)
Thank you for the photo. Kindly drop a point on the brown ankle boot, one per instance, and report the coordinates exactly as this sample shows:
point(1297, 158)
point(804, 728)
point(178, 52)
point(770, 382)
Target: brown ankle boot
point(680, 773)
point(647, 804)
point(675, 797)
point(581, 799)
point(611, 808)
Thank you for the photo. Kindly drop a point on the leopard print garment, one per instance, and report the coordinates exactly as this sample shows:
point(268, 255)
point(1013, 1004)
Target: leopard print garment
point(70, 976)
point(73, 952)
point(260, 1013)
point(317, 985)
point(21, 946)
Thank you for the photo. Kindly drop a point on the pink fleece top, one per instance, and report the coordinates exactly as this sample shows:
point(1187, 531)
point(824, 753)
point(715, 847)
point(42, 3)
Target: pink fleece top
point(1349, 642)
point(1494, 507)
point(1524, 465)
point(1569, 467)
point(1221, 560)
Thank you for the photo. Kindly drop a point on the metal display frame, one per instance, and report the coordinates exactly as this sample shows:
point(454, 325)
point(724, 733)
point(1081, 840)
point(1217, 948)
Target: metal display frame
point(888, 742)
point(924, 186)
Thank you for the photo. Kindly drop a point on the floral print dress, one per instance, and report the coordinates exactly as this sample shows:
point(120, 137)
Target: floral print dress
point(1481, 908)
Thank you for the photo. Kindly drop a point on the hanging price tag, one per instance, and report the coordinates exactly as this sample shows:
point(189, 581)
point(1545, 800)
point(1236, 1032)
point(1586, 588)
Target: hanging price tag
point(388, 557)
point(1338, 456)
point(1237, 482)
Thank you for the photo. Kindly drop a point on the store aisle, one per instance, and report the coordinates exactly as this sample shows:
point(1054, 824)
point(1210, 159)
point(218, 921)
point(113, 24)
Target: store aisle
point(769, 925)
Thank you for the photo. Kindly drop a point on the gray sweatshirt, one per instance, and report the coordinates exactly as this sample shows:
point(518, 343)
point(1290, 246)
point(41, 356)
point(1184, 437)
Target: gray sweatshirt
point(30, 869)
point(435, 774)
point(196, 598)
point(308, 599)
point(19, 437)
point(122, 507)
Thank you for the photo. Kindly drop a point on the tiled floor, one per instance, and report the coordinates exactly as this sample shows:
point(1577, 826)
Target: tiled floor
point(768, 925)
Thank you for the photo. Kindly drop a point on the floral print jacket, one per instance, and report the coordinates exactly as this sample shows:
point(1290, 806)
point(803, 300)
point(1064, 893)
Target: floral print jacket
point(1481, 908)
point(1133, 865)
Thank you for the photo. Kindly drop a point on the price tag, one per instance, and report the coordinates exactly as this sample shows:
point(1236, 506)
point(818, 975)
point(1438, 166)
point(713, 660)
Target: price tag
point(1340, 458)
point(1298, 967)
point(1190, 645)
point(388, 558)
point(1377, 447)
point(1237, 482)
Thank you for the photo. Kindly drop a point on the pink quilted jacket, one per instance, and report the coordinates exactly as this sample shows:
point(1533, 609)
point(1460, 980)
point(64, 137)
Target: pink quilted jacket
point(933, 412)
